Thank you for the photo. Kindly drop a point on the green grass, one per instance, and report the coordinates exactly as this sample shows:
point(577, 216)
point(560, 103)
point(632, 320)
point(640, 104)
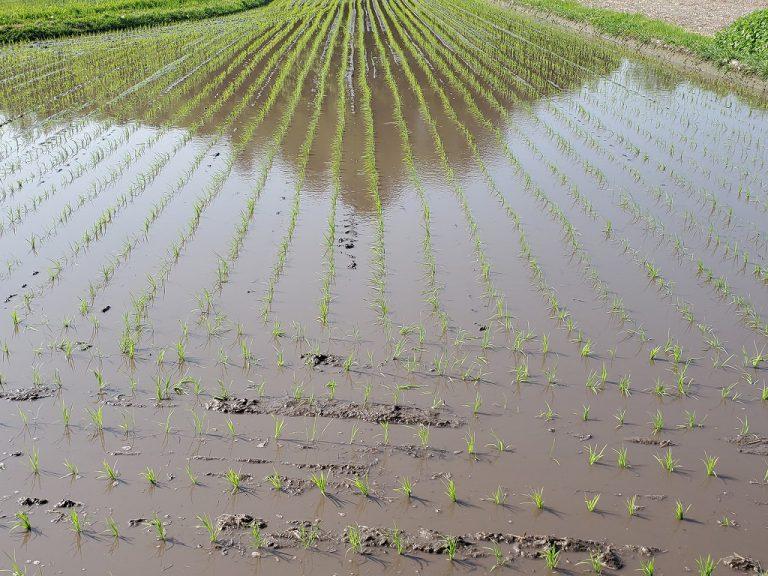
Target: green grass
point(41, 19)
point(744, 40)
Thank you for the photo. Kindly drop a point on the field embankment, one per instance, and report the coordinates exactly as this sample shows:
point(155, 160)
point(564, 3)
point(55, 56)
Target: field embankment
point(42, 19)
point(742, 45)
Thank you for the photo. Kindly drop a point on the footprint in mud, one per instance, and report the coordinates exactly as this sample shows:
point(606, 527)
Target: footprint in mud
point(348, 239)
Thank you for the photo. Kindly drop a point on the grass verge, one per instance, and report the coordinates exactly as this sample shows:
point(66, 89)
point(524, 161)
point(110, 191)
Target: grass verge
point(41, 19)
point(740, 41)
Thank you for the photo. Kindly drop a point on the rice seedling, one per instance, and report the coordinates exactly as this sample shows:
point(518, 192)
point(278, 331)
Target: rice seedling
point(397, 539)
point(235, 480)
point(451, 545)
point(632, 507)
point(450, 490)
point(159, 527)
point(78, 525)
point(362, 486)
point(591, 503)
point(210, 527)
point(551, 557)
point(149, 475)
point(72, 470)
point(648, 567)
point(193, 479)
point(112, 528)
point(109, 472)
point(320, 480)
point(22, 522)
point(279, 424)
point(308, 536)
point(710, 463)
point(681, 510)
point(594, 455)
point(622, 458)
point(34, 461)
point(657, 422)
point(667, 462)
point(705, 566)
point(537, 498)
point(256, 537)
point(355, 538)
point(498, 496)
point(97, 418)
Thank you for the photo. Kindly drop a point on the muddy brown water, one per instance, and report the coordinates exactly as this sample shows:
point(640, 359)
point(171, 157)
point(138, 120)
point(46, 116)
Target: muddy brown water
point(573, 219)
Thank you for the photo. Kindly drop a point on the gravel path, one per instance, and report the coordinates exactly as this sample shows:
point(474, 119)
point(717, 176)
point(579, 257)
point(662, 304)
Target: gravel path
point(702, 16)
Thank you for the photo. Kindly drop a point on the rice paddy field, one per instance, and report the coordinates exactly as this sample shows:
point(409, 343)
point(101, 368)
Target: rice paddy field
point(379, 287)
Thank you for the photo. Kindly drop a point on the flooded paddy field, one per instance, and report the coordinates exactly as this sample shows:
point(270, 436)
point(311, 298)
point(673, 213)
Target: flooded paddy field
point(368, 286)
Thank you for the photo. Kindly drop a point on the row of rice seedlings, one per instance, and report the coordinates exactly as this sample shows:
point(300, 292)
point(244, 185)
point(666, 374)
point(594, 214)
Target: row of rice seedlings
point(704, 328)
point(337, 147)
point(491, 291)
point(109, 270)
point(141, 303)
point(552, 208)
point(585, 346)
point(432, 293)
point(379, 272)
point(218, 179)
point(160, 97)
point(571, 235)
point(115, 77)
point(301, 168)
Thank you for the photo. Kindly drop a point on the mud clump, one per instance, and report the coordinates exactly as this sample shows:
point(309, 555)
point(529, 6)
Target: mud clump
point(322, 359)
point(750, 444)
point(28, 501)
point(27, 394)
point(238, 522)
point(339, 409)
point(742, 563)
point(646, 441)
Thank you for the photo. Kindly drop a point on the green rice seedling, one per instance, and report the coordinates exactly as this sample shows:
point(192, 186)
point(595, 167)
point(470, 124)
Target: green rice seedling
point(551, 557)
point(362, 485)
point(78, 525)
point(349, 361)
point(406, 487)
point(595, 563)
point(657, 422)
point(586, 350)
point(71, 469)
point(705, 566)
point(396, 536)
point(22, 522)
point(648, 567)
point(544, 344)
point(257, 538)
point(620, 416)
point(150, 476)
point(321, 481)
point(667, 462)
point(744, 428)
point(97, 418)
point(548, 415)
point(15, 319)
point(193, 479)
point(497, 443)
point(450, 490)
point(112, 527)
point(66, 414)
point(681, 510)
point(622, 458)
point(624, 385)
point(422, 432)
point(653, 354)
point(537, 498)
point(235, 480)
point(331, 386)
point(476, 404)
point(632, 507)
point(157, 524)
point(585, 413)
point(275, 480)
point(498, 496)
point(592, 502)
point(210, 527)
point(355, 539)
point(24, 418)
point(231, 428)
point(726, 522)
point(384, 432)
point(278, 428)
point(594, 455)
point(451, 544)
point(34, 461)
point(469, 440)
point(308, 536)
point(710, 463)
point(109, 472)
point(659, 388)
